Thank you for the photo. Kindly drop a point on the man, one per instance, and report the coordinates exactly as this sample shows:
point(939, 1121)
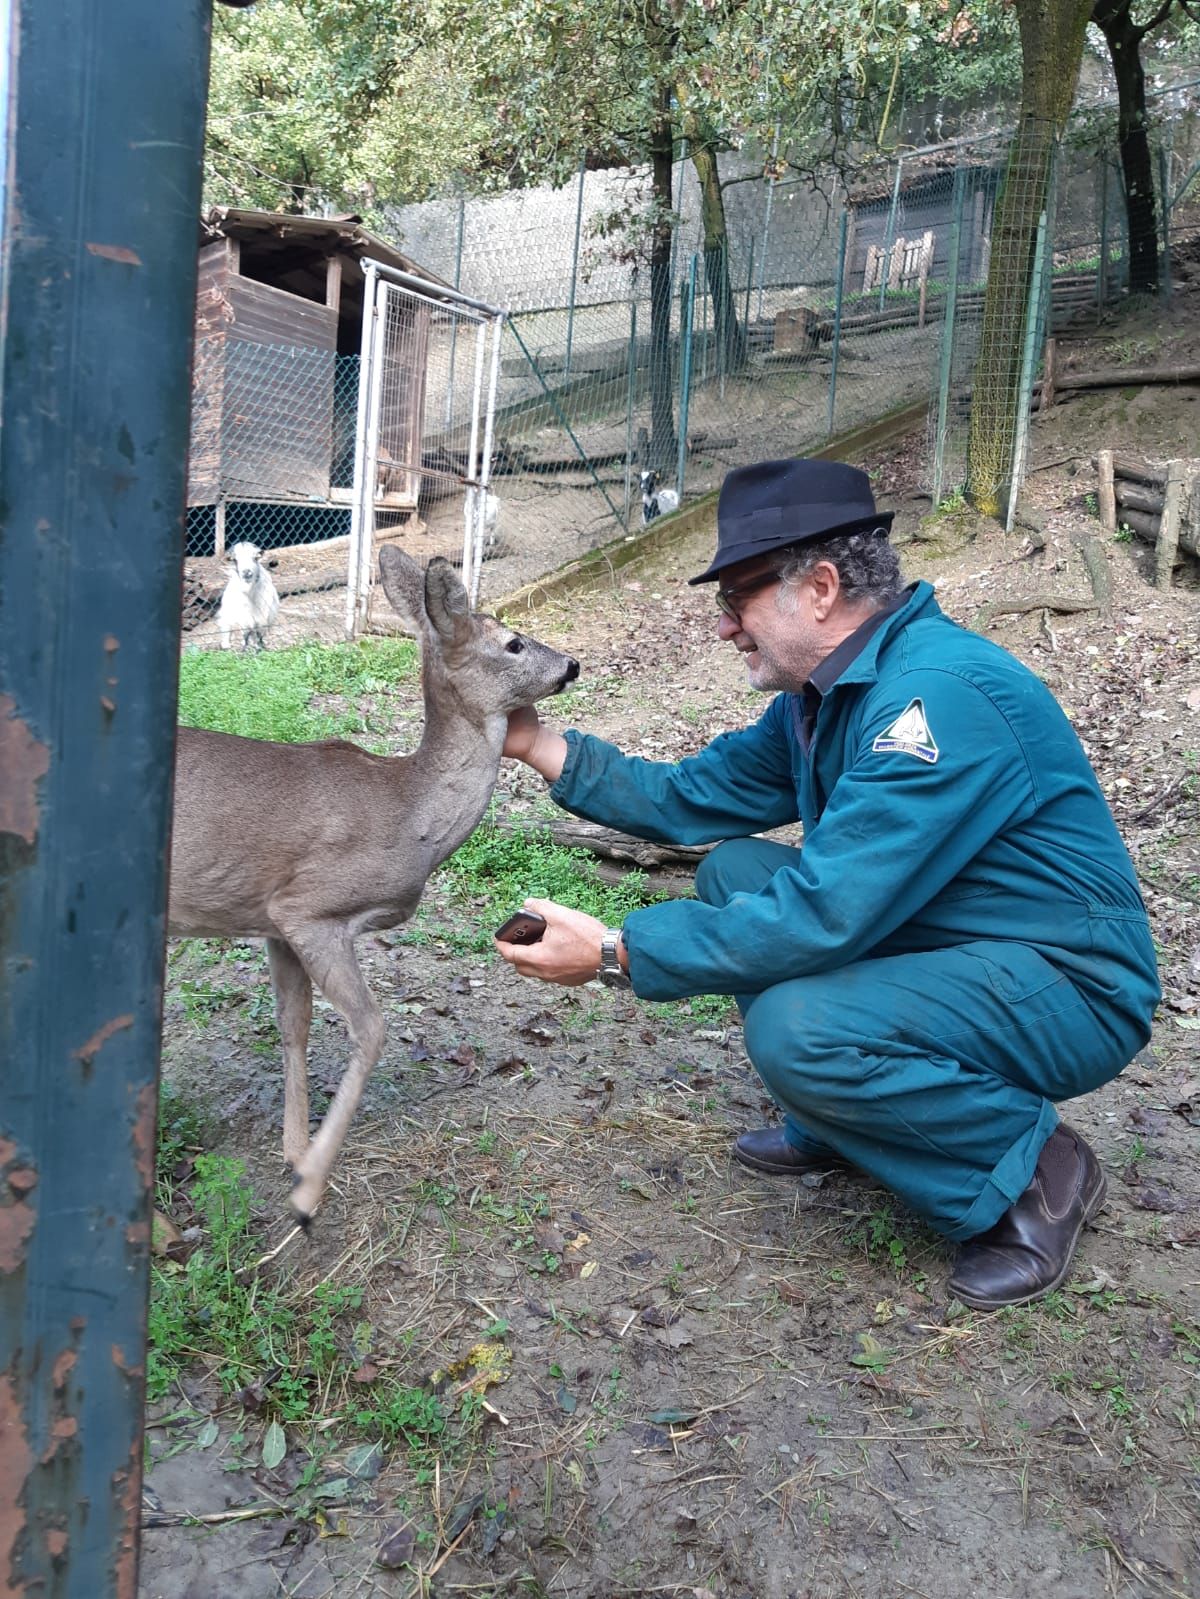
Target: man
point(958, 944)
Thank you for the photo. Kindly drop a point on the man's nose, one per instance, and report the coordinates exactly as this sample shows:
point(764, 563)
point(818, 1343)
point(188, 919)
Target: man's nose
point(728, 627)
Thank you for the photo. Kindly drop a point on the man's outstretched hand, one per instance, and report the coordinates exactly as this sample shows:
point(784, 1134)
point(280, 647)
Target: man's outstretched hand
point(568, 952)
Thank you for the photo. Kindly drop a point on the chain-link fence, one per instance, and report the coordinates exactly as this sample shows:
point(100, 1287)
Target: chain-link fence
point(271, 465)
point(627, 383)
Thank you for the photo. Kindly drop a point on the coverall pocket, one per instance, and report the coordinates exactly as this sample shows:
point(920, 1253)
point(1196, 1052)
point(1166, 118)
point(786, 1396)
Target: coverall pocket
point(1015, 971)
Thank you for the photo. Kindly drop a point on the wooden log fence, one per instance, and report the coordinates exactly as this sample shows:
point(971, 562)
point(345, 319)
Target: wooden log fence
point(1159, 503)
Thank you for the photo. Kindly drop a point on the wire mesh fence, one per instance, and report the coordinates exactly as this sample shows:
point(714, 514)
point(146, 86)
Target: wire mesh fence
point(625, 385)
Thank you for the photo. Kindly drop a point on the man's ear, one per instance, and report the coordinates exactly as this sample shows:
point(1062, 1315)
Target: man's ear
point(826, 588)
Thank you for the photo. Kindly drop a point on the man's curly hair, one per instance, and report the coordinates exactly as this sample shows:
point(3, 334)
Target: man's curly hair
point(867, 564)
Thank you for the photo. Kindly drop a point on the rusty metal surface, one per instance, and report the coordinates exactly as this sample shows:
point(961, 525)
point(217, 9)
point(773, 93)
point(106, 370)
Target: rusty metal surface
point(97, 278)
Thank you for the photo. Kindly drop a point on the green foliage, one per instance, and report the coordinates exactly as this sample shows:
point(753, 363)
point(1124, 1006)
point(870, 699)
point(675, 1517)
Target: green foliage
point(205, 1305)
point(298, 1356)
point(270, 695)
point(402, 1415)
point(334, 99)
point(494, 871)
point(182, 1129)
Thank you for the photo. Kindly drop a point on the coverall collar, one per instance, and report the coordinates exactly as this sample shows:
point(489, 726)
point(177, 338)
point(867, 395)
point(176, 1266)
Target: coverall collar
point(855, 659)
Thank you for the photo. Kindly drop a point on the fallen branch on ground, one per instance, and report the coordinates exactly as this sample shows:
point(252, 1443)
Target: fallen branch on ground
point(987, 614)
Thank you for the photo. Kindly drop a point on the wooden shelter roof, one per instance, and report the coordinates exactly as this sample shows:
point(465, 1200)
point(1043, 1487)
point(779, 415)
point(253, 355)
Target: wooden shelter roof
point(295, 245)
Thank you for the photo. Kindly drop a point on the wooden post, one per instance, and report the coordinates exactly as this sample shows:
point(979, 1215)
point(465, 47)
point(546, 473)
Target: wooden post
point(1107, 492)
point(1048, 361)
point(219, 528)
point(333, 281)
point(924, 289)
point(1168, 529)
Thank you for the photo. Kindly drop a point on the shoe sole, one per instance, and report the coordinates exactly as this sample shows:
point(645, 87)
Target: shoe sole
point(1089, 1211)
point(771, 1168)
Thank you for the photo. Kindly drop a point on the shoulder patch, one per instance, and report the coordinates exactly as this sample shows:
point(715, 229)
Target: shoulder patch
point(909, 734)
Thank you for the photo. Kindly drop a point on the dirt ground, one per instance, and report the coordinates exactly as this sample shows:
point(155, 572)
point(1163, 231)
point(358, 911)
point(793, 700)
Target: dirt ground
point(726, 1385)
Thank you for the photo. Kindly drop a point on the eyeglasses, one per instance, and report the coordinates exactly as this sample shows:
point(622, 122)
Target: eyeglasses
point(731, 600)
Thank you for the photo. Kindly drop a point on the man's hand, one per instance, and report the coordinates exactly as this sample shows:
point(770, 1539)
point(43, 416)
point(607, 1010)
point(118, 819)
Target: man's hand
point(568, 952)
point(524, 725)
point(528, 739)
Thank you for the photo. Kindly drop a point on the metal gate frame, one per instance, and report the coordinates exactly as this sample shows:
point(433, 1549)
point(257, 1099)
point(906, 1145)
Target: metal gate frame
point(384, 284)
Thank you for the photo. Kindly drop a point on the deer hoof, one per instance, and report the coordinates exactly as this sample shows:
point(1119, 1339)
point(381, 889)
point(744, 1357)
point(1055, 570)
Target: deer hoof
point(306, 1196)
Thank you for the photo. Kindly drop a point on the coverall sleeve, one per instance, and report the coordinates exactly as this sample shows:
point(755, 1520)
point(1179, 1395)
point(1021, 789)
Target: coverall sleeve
point(896, 830)
point(739, 784)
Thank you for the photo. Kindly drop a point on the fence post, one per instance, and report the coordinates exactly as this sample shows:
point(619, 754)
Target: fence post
point(1164, 180)
point(458, 255)
point(1025, 383)
point(630, 401)
point(685, 373)
point(890, 235)
point(749, 286)
point(574, 267)
point(104, 117)
point(771, 182)
point(949, 316)
point(837, 320)
point(1102, 273)
point(704, 299)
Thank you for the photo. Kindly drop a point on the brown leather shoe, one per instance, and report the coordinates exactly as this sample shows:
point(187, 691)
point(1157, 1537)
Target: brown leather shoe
point(767, 1149)
point(1029, 1251)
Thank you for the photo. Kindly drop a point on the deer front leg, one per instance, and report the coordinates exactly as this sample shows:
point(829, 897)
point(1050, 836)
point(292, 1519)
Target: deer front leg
point(293, 1010)
point(329, 959)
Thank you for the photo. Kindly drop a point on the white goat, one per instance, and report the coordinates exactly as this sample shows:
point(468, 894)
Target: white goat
point(656, 501)
point(249, 604)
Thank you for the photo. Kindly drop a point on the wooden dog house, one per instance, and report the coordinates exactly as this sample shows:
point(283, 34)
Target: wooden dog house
point(279, 309)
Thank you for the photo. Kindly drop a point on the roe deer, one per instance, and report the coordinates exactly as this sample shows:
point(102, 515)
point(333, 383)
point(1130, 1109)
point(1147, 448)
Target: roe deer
point(309, 845)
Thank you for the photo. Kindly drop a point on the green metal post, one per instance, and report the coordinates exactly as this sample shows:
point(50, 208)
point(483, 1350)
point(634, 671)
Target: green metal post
point(574, 267)
point(1103, 272)
point(837, 323)
point(630, 404)
point(749, 286)
point(1164, 189)
point(458, 255)
point(1024, 395)
point(946, 354)
point(685, 373)
point(102, 151)
point(704, 299)
point(890, 235)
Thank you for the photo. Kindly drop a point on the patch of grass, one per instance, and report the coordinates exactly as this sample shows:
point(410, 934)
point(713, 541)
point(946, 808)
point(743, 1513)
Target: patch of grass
point(296, 1355)
point(494, 871)
point(270, 695)
point(182, 1131)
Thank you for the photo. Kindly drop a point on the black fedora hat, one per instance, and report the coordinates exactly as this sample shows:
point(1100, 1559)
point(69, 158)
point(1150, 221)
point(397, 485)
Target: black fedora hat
point(779, 503)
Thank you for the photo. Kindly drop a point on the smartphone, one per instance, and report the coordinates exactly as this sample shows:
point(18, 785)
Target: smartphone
point(526, 927)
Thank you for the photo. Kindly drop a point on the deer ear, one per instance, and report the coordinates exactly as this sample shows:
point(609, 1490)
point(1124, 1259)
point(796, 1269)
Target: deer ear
point(446, 601)
point(403, 583)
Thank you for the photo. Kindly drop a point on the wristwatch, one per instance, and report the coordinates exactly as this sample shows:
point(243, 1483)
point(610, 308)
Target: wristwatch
point(612, 974)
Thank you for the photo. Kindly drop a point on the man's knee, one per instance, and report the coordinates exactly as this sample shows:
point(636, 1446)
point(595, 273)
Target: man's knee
point(739, 866)
point(800, 1047)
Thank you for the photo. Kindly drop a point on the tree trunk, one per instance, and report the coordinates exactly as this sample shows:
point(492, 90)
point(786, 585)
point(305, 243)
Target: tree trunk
point(1051, 49)
point(1124, 42)
point(731, 342)
point(663, 443)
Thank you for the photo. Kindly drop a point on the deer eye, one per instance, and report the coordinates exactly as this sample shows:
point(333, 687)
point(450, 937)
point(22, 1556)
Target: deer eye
point(515, 646)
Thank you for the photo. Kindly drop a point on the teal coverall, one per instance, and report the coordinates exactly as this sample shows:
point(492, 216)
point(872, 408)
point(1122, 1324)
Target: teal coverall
point(958, 944)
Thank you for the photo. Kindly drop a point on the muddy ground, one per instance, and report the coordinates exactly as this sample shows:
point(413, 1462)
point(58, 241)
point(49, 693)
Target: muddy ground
point(720, 1384)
